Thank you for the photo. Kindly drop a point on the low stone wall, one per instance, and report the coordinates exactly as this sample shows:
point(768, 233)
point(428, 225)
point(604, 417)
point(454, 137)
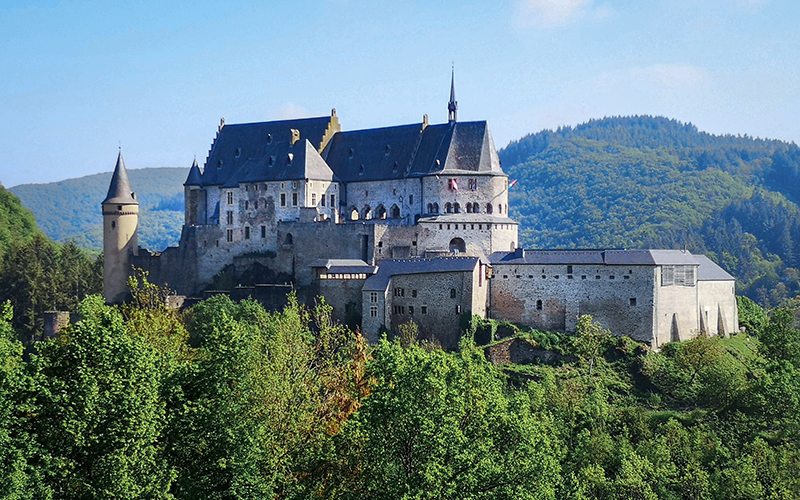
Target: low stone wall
point(522, 351)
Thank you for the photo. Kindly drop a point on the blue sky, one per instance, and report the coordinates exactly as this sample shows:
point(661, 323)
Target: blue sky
point(82, 77)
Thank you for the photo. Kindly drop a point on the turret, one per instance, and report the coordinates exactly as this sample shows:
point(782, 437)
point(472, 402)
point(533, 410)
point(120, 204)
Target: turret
point(120, 233)
point(194, 196)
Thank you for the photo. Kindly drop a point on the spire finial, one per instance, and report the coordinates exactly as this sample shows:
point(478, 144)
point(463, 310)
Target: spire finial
point(452, 106)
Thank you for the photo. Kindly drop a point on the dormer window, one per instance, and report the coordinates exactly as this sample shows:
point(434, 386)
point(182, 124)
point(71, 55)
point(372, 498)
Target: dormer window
point(271, 162)
point(361, 169)
point(269, 138)
point(219, 165)
point(238, 152)
point(394, 166)
point(351, 153)
point(388, 149)
point(289, 158)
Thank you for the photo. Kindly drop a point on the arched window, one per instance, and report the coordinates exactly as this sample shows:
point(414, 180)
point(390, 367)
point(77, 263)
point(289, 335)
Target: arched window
point(448, 208)
point(381, 212)
point(354, 215)
point(430, 208)
point(395, 212)
point(457, 208)
point(476, 208)
point(469, 208)
point(488, 208)
point(367, 212)
point(499, 209)
point(457, 245)
point(539, 305)
point(436, 208)
point(289, 239)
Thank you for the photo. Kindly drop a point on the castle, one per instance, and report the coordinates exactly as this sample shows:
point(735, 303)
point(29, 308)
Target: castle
point(401, 223)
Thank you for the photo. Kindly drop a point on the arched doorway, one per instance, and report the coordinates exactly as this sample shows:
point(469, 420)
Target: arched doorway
point(457, 245)
point(395, 212)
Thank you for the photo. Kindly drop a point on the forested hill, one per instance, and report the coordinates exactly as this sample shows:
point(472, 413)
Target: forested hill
point(654, 182)
point(17, 224)
point(69, 210)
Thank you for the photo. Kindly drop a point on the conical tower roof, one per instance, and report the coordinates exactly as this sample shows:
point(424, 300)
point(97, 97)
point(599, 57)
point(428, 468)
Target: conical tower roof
point(195, 177)
point(120, 189)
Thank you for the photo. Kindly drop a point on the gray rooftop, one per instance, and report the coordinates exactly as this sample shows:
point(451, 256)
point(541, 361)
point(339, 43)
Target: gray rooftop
point(600, 257)
point(119, 191)
point(710, 271)
point(393, 267)
point(195, 178)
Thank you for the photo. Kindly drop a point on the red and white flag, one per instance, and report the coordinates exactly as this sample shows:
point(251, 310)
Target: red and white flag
point(453, 185)
point(511, 185)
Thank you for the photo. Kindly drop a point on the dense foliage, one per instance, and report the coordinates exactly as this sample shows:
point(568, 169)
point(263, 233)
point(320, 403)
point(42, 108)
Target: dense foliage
point(17, 224)
point(652, 182)
point(230, 401)
point(69, 210)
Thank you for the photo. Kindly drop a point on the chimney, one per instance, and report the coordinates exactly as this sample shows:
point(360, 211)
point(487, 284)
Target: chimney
point(295, 136)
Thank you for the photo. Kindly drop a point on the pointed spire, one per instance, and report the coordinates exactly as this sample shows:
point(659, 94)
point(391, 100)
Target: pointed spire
point(119, 191)
point(452, 106)
point(195, 177)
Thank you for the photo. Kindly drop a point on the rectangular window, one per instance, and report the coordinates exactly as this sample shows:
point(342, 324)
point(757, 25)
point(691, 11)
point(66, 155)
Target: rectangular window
point(411, 310)
point(373, 311)
point(246, 205)
point(373, 297)
point(424, 309)
point(247, 232)
point(452, 293)
point(414, 293)
point(230, 197)
point(633, 301)
point(229, 217)
point(399, 292)
point(322, 200)
point(688, 276)
point(667, 275)
point(569, 269)
point(263, 232)
point(283, 199)
point(313, 199)
point(294, 199)
point(230, 235)
point(333, 201)
point(411, 199)
point(458, 309)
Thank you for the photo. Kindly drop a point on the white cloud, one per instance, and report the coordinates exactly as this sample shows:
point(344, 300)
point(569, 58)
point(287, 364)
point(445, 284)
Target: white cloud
point(551, 13)
point(672, 76)
point(290, 111)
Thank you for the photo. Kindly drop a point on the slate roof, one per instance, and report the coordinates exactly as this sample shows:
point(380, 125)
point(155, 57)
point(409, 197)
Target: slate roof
point(283, 162)
point(600, 257)
point(195, 178)
point(253, 143)
point(393, 267)
point(710, 271)
point(119, 191)
point(344, 266)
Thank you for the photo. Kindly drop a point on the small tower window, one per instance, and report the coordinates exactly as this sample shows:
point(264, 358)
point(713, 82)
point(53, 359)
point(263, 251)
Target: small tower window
point(238, 152)
point(361, 169)
point(269, 138)
point(539, 305)
point(113, 224)
point(351, 153)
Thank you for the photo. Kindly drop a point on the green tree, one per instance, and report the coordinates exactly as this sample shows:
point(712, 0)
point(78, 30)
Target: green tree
point(101, 417)
point(440, 425)
point(591, 339)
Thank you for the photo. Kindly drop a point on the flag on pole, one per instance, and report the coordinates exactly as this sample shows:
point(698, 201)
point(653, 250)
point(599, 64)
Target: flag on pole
point(453, 185)
point(512, 183)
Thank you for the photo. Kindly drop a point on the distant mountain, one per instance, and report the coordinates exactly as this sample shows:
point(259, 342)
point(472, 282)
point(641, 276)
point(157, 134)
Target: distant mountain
point(69, 210)
point(646, 181)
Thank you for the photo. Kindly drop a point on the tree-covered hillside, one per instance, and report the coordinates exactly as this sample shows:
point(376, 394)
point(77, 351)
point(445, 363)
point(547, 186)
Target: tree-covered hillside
point(69, 210)
point(17, 224)
point(654, 182)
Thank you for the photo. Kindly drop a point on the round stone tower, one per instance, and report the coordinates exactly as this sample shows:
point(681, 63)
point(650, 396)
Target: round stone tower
point(120, 233)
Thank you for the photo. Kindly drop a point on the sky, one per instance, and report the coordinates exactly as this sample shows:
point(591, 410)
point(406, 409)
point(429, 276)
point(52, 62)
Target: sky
point(83, 78)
